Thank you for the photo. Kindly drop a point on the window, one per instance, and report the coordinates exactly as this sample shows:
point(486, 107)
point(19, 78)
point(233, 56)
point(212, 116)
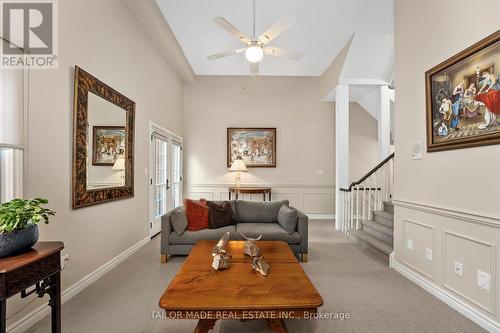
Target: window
point(13, 92)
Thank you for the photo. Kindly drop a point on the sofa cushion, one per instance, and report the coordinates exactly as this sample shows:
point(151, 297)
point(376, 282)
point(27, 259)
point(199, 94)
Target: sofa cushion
point(269, 231)
point(197, 214)
point(191, 237)
point(179, 220)
point(258, 211)
point(287, 218)
point(220, 215)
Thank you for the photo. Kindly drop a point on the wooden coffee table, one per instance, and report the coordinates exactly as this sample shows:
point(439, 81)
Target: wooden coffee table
point(200, 292)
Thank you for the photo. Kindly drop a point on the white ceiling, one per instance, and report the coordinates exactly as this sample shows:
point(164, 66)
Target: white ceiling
point(323, 28)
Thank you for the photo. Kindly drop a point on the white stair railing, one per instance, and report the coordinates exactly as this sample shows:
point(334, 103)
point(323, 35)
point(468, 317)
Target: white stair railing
point(366, 195)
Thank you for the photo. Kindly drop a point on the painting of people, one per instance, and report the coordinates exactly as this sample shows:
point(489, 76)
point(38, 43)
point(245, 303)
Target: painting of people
point(108, 143)
point(256, 146)
point(463, 98)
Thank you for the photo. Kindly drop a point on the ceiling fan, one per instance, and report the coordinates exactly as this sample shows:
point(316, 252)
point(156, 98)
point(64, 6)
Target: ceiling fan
point(256, 47)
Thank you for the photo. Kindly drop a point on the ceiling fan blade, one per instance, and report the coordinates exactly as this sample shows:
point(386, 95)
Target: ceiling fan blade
point(277, 29)
point(254, 68)
point(225, 54)
point(278, 52)
point(232, 30)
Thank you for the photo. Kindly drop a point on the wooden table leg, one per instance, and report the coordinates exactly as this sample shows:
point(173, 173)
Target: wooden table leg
point(204, 325)
point(277, 325)
point(3, 315)
point(55, 302)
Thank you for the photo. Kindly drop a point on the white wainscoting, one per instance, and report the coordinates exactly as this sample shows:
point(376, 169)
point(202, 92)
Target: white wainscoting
point(453, 235)
point(310, 199)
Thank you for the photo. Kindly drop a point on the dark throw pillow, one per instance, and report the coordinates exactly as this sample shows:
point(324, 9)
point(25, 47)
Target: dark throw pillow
point(220, 215)
point(287, 218)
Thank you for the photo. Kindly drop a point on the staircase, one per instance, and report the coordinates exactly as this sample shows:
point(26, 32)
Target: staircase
point(367, 212)
point(376, 235)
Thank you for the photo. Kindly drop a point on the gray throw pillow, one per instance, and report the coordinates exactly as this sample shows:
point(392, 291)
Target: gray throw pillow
point(179, 221)
point(287, 218)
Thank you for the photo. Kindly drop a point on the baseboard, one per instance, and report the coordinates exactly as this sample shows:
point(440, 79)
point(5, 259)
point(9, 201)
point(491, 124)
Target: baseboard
point(448, 298)
point(318, 216)
point(39, 313)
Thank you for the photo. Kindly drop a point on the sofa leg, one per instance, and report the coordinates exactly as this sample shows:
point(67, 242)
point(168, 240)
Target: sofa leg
point(163, 258)
point(304, 257)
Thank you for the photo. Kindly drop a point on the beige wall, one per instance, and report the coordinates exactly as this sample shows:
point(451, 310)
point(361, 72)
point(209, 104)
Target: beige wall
point(103, 38)
point(363, 142)
point(447, 202)
point(305, 136)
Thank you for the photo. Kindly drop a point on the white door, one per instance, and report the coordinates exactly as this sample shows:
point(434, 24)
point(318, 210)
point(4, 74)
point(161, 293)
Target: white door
point(166, 175)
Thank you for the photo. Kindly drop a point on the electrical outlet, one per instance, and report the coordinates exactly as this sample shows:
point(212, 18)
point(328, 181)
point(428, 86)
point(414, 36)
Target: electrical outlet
point(483, 280)
point(428, 254)
point(64, 261)
point(409, 244)
point(459, 268)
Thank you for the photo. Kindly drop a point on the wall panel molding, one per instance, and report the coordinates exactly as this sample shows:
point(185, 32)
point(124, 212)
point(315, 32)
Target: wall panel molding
point(432, 229)
point(492, 270)
point(464, 215)
point(308, 198)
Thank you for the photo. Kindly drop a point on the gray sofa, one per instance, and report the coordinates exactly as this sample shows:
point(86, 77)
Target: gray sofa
point(252, 219)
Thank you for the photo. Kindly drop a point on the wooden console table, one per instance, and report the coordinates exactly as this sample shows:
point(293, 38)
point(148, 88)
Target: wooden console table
point(39, 267)
point(250, 190)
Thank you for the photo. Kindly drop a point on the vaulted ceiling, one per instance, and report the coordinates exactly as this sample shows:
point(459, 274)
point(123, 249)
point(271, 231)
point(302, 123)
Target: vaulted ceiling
point(322, 29)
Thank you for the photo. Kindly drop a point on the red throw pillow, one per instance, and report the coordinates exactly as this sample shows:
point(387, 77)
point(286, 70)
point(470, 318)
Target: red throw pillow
point(197, 214)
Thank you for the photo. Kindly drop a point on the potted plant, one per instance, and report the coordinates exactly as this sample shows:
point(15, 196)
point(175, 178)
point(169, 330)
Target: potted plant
point(18, 219)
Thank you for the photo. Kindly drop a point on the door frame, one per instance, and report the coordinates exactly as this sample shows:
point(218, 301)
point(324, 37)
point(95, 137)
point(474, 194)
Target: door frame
point(152, 168)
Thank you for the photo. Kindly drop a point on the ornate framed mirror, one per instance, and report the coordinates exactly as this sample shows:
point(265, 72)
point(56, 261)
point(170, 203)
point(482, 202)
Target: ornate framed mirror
point(103, 143)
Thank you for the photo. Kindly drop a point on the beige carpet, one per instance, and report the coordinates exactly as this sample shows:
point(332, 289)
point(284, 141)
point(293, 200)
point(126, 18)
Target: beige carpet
point(349, 279)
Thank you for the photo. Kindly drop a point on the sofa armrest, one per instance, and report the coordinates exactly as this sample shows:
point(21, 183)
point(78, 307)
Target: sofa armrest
point(303, 230)
point(166, 230)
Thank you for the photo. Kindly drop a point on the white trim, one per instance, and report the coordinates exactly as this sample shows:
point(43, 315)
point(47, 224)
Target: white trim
point(320, 216)
point(451, 300)
point(364, 82)
point(157, 126)
point(275, 185)
point(39, 313)
point(469, 216)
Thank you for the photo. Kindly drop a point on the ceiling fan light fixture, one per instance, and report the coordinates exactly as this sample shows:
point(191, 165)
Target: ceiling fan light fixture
point(254, 53)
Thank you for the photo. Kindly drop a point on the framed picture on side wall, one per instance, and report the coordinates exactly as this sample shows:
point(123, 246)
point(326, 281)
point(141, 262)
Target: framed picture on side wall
point(257, 146)
point(463, 98)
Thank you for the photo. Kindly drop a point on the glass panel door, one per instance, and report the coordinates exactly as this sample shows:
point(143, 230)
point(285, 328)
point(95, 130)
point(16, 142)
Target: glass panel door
point(165, 174)
point(176, 193)
point(159, 183)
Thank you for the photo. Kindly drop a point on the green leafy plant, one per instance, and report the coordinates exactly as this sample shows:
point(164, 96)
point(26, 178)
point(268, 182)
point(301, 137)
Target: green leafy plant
point(18, 214)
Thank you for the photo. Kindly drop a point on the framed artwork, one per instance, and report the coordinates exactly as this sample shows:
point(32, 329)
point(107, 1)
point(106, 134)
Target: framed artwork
point(108, 144)
point(463, 98)
point(257, 146)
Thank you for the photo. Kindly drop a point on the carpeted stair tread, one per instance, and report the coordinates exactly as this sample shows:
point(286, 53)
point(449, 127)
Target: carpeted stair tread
point(372, 241)
point(379, 227)
point(384, 214)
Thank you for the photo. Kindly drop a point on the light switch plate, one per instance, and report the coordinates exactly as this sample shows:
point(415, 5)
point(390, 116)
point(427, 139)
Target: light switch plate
point(428, 254)
point(459, 268)
point(483, 280)
point(409, 244)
